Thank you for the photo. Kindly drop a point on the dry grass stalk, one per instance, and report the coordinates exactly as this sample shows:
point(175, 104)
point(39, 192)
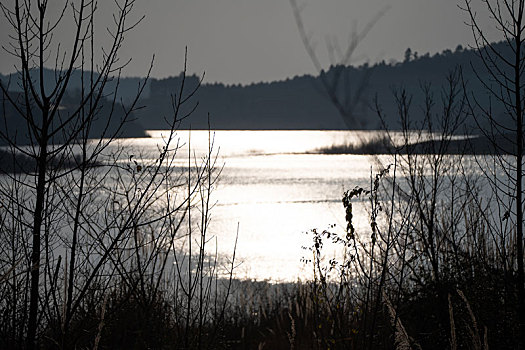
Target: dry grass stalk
point(292, 334)
point(101, 323)
point(453, 342)
point(401, 338)
point(474, 331)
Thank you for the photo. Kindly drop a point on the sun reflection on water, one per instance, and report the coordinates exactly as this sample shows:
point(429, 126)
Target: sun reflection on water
point(275, 190)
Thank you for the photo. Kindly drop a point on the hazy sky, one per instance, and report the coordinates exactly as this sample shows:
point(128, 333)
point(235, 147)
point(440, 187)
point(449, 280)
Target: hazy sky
point(243, 41)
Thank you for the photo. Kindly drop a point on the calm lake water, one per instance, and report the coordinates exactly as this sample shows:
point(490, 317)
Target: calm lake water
point(273, 190)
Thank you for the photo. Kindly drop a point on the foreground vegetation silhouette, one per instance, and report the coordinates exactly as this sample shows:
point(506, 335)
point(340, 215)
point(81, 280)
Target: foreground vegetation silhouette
point(103, 248)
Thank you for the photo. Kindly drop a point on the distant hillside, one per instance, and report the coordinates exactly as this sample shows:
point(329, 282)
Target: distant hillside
point(301, 102)
point(17, 130)
point(291, 104)
point(126, 92)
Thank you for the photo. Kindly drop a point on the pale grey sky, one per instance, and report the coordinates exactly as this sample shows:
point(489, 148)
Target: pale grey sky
point(244, 41)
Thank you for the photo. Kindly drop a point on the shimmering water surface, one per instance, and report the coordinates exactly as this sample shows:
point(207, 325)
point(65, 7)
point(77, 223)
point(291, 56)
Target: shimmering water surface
point(272, 190)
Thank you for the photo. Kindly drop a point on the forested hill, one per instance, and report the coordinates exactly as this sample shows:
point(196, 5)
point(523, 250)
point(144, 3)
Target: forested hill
point(302, 102)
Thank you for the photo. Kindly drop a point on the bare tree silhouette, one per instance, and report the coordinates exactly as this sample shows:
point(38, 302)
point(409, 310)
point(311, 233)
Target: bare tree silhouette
point(83, 218)
point(503, 80)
